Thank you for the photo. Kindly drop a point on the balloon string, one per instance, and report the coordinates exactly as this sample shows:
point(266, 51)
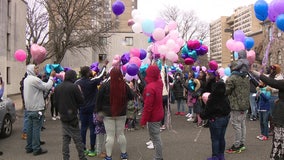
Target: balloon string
point(265, 58)
point(169, 120)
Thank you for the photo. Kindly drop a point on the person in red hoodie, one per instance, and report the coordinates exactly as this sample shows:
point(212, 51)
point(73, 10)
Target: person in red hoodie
point(153, 111)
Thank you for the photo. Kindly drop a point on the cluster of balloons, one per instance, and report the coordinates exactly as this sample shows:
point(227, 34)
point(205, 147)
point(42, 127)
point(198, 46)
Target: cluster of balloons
point(38, 54)
point(60, 72)
point(131, 62)
point(240, 42)
point(118, 7)
point(274, 11)
point(164, 37)
point(191, 50)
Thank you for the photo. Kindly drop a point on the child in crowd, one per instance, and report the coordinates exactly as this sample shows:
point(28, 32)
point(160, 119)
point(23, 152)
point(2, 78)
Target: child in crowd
point(100, 133)
point(131, 115)
point(263, 96)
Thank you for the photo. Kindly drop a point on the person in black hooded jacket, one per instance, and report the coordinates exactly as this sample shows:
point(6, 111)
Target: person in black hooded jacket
point(217, 110)
point(68, 98)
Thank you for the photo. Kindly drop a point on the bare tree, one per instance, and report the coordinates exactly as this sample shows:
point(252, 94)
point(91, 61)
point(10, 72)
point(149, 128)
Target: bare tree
point(61, 25)
point(37, 26)
point(189, 26)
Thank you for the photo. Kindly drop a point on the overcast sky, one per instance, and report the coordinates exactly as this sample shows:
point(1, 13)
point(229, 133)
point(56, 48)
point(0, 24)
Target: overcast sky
point(206, 10)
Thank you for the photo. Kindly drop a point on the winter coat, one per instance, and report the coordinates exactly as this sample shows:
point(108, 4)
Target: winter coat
point(238, 90)
point(153, 100)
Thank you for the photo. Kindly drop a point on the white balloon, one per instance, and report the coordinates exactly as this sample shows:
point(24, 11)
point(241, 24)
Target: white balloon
point(137, 28)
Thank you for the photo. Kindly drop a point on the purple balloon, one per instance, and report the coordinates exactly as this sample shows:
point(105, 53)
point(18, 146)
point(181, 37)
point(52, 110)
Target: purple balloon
point(239, 35)
point(132, 69)
point(193, 68)
point(118, 7)
point(160, 23)
point(143, 54)
point(125, 58)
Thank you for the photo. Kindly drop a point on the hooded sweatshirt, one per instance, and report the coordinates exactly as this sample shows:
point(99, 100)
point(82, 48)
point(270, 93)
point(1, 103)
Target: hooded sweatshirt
point(153, 104)
point(34, 89)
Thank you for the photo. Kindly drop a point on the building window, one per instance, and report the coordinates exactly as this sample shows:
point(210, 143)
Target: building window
point(103, 41)
point(8, 75)
point(128, 41)
point(102, 57)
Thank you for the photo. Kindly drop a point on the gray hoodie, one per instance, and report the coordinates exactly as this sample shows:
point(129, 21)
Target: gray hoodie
point(34, 89)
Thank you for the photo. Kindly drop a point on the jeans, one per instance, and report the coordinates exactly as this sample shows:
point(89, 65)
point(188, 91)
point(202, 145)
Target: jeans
point(238, 120)
point(115, 128)
point(165, 105)
point(33, 131)
point(252, 103)
point(217, 130)
point(68, 132)
point(180, 105)
point(263, 119)
point(25, 124)
point(87, 122)
point(155, 136)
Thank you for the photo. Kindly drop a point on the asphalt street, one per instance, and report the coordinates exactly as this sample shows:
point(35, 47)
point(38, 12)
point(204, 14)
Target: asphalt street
point(184, 141)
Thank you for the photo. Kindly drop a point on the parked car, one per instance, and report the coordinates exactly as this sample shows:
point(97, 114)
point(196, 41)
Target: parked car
point(7, 117)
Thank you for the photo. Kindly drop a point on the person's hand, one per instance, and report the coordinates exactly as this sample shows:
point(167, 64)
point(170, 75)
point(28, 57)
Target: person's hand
point(106, 62)
point(142, 126)
point(52, 74)
point(255, 73)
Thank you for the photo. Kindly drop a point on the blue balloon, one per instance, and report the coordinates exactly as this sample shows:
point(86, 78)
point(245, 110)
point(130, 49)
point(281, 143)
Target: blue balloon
point(184, 49)
point(261, 9)
point(249, 43)
point(236, 55)
point(192, 54)
point(280, 22)
point(227, 71)
point(191, 85)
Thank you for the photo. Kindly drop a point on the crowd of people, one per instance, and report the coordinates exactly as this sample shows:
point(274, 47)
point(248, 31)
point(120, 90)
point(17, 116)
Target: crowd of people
point(107, 105)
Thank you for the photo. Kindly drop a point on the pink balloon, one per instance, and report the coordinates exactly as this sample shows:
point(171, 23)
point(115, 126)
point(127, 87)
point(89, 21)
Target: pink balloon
point(251, 56)
point(60, 75)
point(230, 44)
point(205, 97)
point(197, 68)
point(38, 53)
point(20, 55)
point(172, 25)
point(189, 61)
point(134, 52)
point(158, 34)
point(163, 49)
point(238, 46)
point(124, 68)
point(130, 22)
point(172, 56)
point(221, 72)
point(213, 65)
point(203, 68)
point(135, 60)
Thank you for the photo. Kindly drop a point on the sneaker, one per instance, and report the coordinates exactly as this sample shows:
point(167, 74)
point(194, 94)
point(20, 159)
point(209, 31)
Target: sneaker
point(24, 136)
point(163, 127)
point(263, 138)
point(149, 142)
point(182, 113)
point(92, 153)
point(151, 146)
point(234, 149)
point(177, 113)
point(188, 115)
point(53, 118)
point(242, 147)
point(190, 119)
point(108, 158)
point(86, 152)
point(123, 156)
point(259, 137)
point(57, 117)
